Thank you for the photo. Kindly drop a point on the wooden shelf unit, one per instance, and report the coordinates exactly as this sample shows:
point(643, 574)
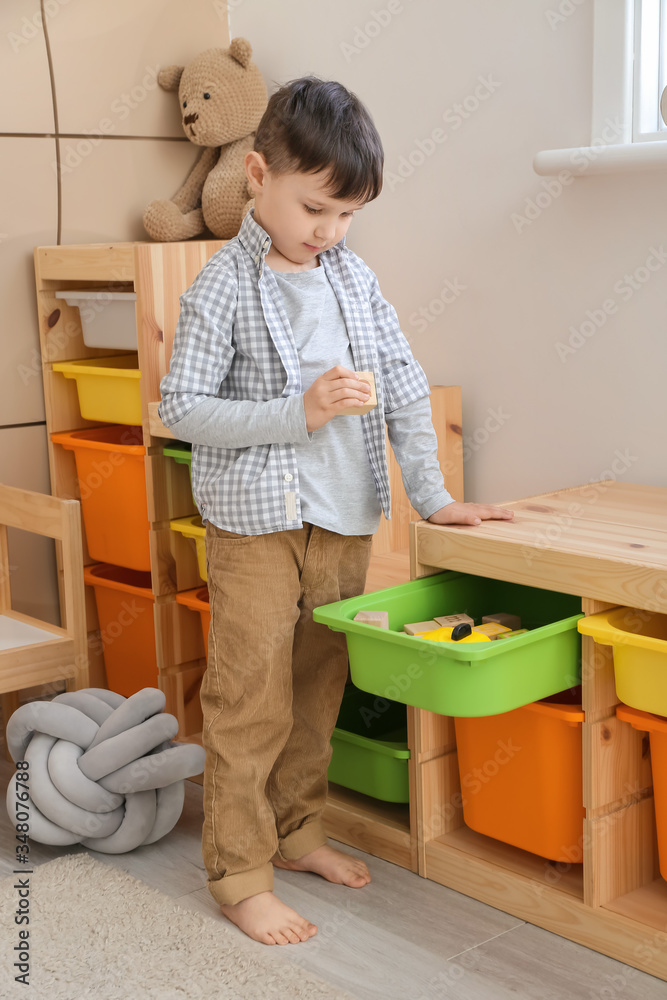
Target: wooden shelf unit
point(159, 274)
point(607, 544)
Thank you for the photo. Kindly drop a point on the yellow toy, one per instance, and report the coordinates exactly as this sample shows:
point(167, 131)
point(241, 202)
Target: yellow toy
point(465, 634)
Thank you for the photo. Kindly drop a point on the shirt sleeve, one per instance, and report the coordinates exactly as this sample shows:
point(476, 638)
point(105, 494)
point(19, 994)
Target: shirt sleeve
point(415, 445)
point(202, 355)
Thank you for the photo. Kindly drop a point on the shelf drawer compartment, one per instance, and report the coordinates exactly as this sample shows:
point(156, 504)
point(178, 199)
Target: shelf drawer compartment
point(107, 317)
point(198, 600)
point(521, 777)
point(656, 727)
point(639, 643)
point(192, 527)
point(108, 388)
point(370, 747)
point(458, 679)
point(110, 467)
point(124, 600)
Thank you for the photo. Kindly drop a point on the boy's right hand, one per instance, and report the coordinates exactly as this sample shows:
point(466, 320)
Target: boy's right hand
point(332, 392)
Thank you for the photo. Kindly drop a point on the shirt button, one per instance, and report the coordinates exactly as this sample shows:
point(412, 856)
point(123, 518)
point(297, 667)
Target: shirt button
point(256, 258)
point(288, 477)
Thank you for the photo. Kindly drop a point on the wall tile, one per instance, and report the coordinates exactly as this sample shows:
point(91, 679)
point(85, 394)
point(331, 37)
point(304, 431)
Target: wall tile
point(29, 220)
point(24, 69)
point(105, 188)
point(33, 579)
point(106, 57)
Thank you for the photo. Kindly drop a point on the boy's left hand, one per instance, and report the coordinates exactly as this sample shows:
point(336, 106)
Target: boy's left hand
point(470, 513)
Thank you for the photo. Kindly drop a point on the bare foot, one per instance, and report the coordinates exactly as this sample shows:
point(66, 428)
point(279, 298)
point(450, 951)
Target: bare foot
point(265, 918)
point(331, 864)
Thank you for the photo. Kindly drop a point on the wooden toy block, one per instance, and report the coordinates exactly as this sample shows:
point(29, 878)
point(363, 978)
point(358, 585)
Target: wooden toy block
point(510, 635)
point(492, 629)
point(365, 407)
point(503, 618)
point(378, 618)
point(446, 620)
point(418, 628)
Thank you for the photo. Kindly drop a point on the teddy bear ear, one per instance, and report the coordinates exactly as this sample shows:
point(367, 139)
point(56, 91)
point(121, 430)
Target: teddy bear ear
point(169, 78)
point(241, 50)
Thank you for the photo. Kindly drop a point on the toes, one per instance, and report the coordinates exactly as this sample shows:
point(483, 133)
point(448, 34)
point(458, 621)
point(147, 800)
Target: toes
point(291, 935)
point(279, 937)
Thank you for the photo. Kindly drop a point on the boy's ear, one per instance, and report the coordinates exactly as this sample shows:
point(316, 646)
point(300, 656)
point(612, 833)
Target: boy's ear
point(256, 169)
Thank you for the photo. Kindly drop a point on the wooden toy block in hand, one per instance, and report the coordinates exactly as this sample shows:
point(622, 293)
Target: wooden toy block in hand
point(446, 620)
point(364, 407)
point(503, 618)
point(378, 618)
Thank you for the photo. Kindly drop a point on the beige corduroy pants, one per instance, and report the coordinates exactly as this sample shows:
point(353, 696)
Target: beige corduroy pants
point(270, 697)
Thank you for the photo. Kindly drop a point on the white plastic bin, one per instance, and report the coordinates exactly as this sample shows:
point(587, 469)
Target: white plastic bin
point(107, 318)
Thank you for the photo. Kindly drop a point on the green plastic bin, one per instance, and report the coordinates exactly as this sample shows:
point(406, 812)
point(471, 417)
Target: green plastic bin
point(484, 678)
point(370, 747)
point(181, 453)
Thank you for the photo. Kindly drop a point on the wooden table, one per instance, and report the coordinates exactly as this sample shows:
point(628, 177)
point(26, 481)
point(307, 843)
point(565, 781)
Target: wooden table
point(606, 543)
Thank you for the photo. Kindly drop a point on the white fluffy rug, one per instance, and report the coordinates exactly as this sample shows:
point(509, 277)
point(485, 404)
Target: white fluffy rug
point(97, 932)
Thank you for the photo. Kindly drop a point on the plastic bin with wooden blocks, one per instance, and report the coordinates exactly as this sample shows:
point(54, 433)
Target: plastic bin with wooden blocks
point(491, 629)
point(445, 620)
point(365, 407)
point(378, 618)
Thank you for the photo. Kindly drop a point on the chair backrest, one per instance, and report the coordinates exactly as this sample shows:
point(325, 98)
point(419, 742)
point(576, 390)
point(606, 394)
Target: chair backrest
point(54, 518)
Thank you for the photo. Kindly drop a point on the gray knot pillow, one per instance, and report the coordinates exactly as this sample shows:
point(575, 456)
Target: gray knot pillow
point(98, 769)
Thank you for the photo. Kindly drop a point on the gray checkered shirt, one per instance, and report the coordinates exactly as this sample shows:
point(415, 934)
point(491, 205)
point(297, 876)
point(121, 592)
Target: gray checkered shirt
point(233, 342)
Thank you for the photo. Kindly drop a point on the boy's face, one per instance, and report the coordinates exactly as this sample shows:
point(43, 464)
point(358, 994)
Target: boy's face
point(298, 213)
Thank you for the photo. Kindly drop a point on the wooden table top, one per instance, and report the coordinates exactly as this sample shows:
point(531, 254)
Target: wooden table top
point(606, 541)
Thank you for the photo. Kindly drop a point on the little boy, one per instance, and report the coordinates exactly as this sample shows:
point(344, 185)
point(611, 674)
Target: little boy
point(269, 339)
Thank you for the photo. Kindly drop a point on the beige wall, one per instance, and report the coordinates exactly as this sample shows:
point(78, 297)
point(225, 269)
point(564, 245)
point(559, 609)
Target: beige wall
point(497, 301)
point(120, 145)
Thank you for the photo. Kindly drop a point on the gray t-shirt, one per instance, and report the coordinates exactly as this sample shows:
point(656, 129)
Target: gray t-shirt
point(335, 477)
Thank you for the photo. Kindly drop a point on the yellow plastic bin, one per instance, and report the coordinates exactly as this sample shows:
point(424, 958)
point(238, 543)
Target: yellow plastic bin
point(639, 643)
point(110, 466)
point(124, 600)
point(192, 527)
point(108, 388)
point(521, 776)
point(656, 727)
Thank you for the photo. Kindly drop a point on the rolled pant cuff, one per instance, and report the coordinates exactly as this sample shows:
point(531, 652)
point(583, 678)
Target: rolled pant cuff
point(231, 889)
point(303, 841)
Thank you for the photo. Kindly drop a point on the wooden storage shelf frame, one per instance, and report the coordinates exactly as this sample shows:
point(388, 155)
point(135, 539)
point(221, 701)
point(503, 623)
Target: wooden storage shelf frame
point(159, 274)
point(607, 544)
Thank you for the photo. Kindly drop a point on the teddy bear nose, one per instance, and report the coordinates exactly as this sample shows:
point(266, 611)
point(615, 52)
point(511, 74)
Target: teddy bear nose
point(189, 119)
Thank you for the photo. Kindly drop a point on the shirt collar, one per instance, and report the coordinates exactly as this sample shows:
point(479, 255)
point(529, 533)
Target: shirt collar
point(258, 242)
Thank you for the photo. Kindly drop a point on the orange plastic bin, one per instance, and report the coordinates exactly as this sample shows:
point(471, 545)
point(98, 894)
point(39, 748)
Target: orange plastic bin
point(125, 609)
point(197, 600)
point(521, 777)
point(656, 727)
point(112, 482)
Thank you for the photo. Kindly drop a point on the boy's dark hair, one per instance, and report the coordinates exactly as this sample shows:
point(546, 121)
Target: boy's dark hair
point(311, 125)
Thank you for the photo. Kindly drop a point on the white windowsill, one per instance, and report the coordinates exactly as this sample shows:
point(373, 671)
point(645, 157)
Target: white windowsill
point(613, 159)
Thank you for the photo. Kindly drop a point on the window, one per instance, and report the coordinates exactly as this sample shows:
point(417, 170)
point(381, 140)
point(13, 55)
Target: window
point(650, 70)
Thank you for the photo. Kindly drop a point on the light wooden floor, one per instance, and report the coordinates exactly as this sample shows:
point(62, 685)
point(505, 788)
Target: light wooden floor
point(399, 938)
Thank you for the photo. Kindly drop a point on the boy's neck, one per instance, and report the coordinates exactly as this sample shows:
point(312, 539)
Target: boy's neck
point(277, 262)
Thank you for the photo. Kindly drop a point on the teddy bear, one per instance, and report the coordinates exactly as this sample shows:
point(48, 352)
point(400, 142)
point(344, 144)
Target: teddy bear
point(222, 98)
